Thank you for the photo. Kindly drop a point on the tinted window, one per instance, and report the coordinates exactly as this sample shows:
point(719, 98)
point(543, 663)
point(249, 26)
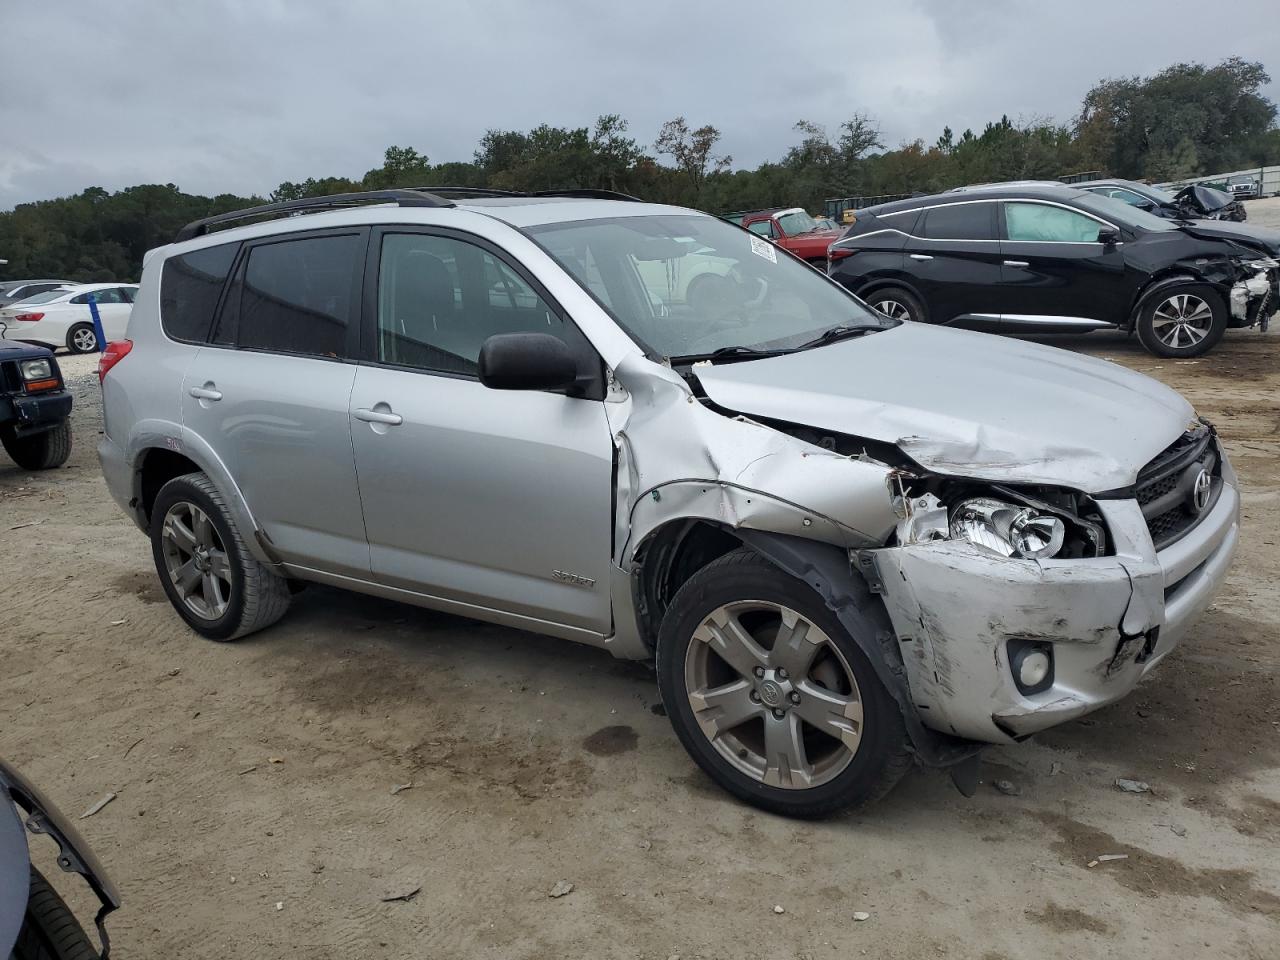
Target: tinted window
point(189, 288)
point(439, 299)
point(1044, 223)
point(962, 221)
point(296, 296)
point(111, 295)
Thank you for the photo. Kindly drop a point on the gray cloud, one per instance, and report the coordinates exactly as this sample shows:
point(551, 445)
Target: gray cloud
point(238, 95)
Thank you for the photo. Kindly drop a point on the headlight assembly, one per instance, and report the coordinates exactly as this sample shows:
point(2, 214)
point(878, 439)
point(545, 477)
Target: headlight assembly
point(35, 369)
point(1008, 530)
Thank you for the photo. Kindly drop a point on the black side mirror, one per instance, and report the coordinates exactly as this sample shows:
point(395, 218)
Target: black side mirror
point(1108, 236)
point(526, 361)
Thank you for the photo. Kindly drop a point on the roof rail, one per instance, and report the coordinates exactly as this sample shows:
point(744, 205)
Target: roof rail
point(405, 198)
point(582, 193)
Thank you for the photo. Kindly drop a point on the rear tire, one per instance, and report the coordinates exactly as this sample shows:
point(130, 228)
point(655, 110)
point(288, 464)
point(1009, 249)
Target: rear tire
point(213, 581)
point(1185, 321)
point(807, 741)
point(50, 931)
point(898, 303)
point(82, 339)
point(38, 451)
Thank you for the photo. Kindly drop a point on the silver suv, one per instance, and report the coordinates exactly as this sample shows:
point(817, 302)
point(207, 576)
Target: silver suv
point(849, 543)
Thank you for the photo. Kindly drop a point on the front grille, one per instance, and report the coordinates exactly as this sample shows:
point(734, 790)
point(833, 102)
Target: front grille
point(1166, 486)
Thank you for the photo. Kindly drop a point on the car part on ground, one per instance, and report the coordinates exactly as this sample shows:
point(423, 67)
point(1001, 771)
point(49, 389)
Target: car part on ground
point(545, 428)
point(35, 923)
point(35, 407)
point(1036, 257)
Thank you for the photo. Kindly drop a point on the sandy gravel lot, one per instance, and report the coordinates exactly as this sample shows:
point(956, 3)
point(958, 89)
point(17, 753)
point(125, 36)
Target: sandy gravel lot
point(533, 760)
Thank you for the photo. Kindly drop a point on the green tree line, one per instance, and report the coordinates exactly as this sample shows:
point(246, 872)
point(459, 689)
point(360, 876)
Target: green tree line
point(1187, 120)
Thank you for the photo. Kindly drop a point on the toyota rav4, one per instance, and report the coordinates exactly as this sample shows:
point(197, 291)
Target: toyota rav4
point(849, 543)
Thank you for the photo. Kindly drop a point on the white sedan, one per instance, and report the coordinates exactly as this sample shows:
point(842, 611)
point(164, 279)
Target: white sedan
point(61, 318)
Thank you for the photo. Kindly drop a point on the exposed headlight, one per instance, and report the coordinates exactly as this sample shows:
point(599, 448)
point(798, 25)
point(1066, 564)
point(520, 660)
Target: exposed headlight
point(1265, 263)
point(1008, 530)
point(36, 369)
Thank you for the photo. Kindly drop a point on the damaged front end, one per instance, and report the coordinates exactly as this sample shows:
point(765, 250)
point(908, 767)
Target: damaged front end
point(1019, 609)
point(1255, 295)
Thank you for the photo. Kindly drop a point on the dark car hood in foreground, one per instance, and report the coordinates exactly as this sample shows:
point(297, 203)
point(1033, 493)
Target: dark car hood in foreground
point(968, 404)
point(1259, 238)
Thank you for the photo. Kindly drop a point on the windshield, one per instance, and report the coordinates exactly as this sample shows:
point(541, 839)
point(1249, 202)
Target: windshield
point(47, 297)
point(687, 286)
point(1155, 193)
point(796, 221)
point(1117, 211)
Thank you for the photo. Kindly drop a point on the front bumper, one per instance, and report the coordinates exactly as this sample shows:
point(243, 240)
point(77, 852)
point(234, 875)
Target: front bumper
point(32, 414)
point(74, 855)
point(1109, 620)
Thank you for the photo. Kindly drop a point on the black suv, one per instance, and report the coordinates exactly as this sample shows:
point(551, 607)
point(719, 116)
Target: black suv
point(1021, 258)
point(34, 406)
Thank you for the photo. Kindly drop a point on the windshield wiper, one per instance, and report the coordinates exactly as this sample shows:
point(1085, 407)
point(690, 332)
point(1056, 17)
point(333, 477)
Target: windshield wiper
point(845, 331)
point(728, 353)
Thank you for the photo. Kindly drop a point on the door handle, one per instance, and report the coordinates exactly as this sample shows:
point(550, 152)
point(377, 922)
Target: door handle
point(1016, 263)
point(205, 393)
point(921, 256)
point(378, 416)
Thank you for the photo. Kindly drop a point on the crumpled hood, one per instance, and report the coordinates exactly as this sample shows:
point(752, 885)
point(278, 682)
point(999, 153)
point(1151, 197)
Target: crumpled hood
point(1254, 236)
point(968, 404)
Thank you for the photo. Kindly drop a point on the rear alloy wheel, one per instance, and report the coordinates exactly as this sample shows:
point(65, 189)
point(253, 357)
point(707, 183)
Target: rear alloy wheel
point(82, 339)
point(212, 579)
point(1184, 323)
point(770, 694)
point(897, 304)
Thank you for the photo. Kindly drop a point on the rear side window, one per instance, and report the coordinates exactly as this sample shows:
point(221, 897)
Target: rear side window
point(298, 296)
point(962, 221)
point(189, 288)
point(110, 295)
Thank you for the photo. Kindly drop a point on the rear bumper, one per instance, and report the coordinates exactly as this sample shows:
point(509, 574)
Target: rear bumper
point(118, 473)
point(1108, 621)
point(36, 413)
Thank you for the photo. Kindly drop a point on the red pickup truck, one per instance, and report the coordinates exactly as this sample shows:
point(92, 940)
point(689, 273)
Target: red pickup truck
point(792, 229)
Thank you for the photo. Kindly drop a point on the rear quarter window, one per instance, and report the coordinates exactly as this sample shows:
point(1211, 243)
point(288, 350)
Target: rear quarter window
point(190, 285)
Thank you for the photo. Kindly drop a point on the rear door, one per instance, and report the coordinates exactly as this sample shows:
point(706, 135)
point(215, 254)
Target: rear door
point(1055, 271)
point(953, 259)
point(490, 499)
point(270, 393)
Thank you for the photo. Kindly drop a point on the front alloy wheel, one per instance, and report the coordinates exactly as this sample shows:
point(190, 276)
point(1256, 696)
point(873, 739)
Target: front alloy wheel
point(773, 695)
point(1183, 320)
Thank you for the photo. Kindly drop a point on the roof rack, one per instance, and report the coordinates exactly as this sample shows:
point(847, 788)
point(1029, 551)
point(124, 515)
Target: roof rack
point(404, 196)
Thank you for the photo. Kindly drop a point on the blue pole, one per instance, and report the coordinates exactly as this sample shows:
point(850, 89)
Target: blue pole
point(97, 322)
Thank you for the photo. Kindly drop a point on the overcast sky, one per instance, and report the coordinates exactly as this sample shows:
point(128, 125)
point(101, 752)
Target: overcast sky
point(239, 95)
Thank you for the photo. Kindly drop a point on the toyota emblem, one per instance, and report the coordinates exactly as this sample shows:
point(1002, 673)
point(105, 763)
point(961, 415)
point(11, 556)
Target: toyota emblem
point(1200, 492)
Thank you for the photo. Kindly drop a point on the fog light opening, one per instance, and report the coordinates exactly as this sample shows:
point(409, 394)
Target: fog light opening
point(1031, 663)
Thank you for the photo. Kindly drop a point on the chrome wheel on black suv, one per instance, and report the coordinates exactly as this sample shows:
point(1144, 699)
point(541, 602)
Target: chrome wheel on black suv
point(1185, 322)
point(770, 694)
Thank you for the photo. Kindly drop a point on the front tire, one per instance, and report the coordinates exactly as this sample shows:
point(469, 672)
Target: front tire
point(82, 338)
point(38, 451)
point(50, 930)
point(214, 583)
point(1187, 321)
point(772, 697)
point(898, 303)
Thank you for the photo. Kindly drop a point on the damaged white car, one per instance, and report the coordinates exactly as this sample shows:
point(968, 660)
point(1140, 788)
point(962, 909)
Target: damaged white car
point(850, 544)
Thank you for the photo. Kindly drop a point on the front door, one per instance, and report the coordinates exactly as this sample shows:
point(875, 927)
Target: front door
point(270, 395)
point(1055, 272)
point(493, 500)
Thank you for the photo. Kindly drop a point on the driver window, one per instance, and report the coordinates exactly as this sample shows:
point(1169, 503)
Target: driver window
point(440, 298)
point(763, 228)
point(1048, 224)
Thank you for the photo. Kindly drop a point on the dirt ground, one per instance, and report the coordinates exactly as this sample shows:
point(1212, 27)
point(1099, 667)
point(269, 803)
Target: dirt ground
point(255, 814)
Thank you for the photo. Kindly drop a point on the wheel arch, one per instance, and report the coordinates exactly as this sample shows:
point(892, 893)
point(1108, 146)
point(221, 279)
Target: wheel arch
point(1167, 280)
point(876, 284)
point(160, 456)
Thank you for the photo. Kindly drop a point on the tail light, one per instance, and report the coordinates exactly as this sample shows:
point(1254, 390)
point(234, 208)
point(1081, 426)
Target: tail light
point(32, 317)
point(116, 351)
point(839, 253)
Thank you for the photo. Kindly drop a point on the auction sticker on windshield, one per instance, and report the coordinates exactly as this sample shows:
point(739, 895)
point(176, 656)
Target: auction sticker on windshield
point(763, 248)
